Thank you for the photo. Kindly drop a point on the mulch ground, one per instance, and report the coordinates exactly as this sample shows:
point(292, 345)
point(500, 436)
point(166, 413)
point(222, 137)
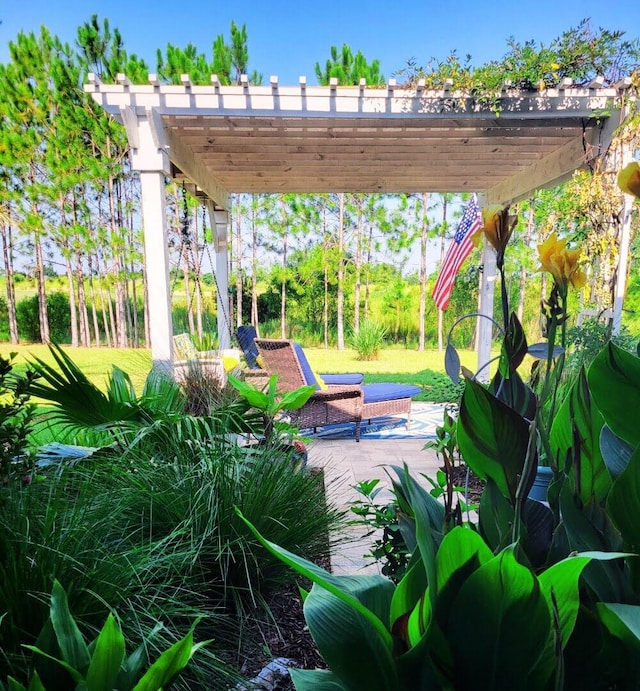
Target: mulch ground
point(475, 486)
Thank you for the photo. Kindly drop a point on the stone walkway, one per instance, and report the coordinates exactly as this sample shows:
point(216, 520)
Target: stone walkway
point(347, 462)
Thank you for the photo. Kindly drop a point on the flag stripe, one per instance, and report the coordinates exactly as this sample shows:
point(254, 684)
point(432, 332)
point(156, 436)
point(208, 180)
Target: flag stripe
point(457, 252)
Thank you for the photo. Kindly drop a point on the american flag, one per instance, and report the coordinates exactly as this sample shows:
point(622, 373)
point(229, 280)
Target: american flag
point(458, 251)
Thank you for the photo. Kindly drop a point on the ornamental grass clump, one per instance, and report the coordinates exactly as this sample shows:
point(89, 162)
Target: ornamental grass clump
point(368, 340)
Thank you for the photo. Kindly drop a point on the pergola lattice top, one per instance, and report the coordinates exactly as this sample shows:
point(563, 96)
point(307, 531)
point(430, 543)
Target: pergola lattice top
point(356, 139)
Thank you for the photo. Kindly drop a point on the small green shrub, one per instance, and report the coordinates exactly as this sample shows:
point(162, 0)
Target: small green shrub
point(16, 415)
point(4, 319)
point(27, 314)
point(588, 339)
point(389, 548)
point(368, 341)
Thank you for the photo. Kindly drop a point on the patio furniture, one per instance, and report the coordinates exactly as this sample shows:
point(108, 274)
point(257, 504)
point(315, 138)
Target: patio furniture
point(246, 336)
point(331, 404)
point(208, 362)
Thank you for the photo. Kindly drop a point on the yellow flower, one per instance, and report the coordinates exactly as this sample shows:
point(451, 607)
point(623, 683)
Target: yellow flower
point(498, 226)
point(229, 363)
point(561, 262)
point(629, 179)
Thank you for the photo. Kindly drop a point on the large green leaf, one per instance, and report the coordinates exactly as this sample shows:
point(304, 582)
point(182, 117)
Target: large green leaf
point(559, 585)
point(498, 627)
point(108, 655)
point(170, 663)
point(586, 530)
point(78, 400)
point(292, 400)
point(538, 524)
point(426, 518)
point(348, 643)
point(458, 547)
point(576, 430)
point(132, 667)
point(34, 684)
point(515, 343)
point(614, 380)
point(515, 393)
point(496, 517)
point(72, 644)
point(315, 680)
point(616, 452)
point(461, 553)
point(507, 385)
point(622, 621)
point(408, 592)
point(623, 505)
point(492, 437)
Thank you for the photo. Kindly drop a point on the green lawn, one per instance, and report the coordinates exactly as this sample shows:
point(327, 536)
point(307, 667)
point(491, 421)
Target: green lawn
point(425, 369)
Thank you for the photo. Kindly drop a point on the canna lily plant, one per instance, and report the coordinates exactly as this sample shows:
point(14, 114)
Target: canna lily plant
point(524, 595)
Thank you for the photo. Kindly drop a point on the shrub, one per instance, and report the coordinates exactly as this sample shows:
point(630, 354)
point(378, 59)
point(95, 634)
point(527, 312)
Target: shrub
point(15, 421)
point(28, 317)
point(368, 341)
point(4, 320)
point(588, 339)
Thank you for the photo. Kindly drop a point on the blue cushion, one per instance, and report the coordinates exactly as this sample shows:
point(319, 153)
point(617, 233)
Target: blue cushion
point(245, 335)
point(352, 378)
point(307, 372)
point(374, 393)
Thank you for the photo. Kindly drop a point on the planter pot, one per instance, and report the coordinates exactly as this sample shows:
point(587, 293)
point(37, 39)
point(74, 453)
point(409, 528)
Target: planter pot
point(538, 491)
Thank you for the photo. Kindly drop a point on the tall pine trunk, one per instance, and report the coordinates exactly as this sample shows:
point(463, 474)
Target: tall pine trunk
point(7, 253)
point(523, 270)
point(68, 253)
point(94, 306)
point(340, 305)
point(367, 285)
point(423, 269)
point(42, 294)
point(254, 270)
point(283, 289)
point(440, 312)
point(358, 270)
point(120, 318)
point(238, 249)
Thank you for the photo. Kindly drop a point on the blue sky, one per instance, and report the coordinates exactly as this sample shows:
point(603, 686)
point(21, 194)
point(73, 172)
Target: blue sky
point(287, 38)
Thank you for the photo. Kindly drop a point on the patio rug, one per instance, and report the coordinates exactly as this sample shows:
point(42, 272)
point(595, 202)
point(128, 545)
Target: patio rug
point(425, 417)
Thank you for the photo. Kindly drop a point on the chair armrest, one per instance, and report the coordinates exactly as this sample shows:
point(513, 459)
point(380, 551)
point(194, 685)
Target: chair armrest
point(348, 378)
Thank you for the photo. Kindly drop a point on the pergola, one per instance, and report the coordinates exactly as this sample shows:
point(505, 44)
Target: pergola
point(310, 139)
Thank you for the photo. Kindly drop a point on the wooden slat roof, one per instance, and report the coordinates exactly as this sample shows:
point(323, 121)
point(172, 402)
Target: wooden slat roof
point(356, 139)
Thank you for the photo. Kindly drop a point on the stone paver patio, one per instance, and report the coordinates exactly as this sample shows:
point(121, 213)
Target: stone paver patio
point(346, 463)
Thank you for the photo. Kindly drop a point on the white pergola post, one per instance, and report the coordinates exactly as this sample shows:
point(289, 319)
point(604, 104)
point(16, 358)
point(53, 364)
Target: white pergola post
point(485, 326)
point(219, 220)
point(149, 157)
point(157, 264)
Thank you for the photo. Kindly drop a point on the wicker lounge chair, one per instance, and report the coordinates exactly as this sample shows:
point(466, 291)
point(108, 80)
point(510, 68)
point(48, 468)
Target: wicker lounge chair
point(246, 336)
point(334, 403)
